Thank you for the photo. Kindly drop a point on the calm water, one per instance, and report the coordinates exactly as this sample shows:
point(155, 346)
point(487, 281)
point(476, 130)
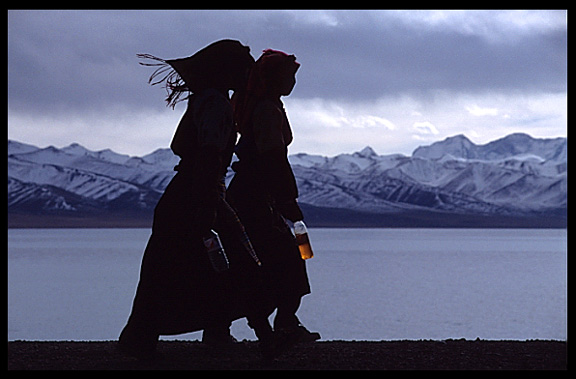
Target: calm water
point(367, 284)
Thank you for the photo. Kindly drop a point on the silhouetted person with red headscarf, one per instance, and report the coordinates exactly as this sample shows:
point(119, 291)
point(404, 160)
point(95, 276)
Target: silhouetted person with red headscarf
point(179, 291)
point(263, 191)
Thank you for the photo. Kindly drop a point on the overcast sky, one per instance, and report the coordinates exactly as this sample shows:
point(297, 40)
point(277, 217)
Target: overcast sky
point(392, 80)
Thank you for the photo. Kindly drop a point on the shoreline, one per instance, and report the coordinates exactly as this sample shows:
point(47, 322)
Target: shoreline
point(314, 217)
point(323, 355)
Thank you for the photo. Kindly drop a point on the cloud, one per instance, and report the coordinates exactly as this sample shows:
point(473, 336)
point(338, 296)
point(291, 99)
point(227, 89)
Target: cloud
point(319, 125)
point(384, 54)
point(134, 133)
point(334, 114)
point(475, 110)
point(492, 25)
point(367, 77)
point(369, 121)
point(425, 127)
point(76, 59)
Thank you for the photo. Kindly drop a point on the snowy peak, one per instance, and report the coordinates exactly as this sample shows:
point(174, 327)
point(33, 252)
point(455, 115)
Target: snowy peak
point(75, 149)
point(307, 160)
point(458, 146)
point(520, 144)
point(15, 147)
point(367, 152)
point(516, 175)
point(517, 145)
point(45, 179)
point(105, 155)
point(162, 158)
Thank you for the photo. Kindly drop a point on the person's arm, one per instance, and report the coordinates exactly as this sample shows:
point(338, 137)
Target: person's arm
point(275, 167)
point(213, 115)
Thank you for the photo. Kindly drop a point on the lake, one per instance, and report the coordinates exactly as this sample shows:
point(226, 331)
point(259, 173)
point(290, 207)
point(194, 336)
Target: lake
point(367, 284)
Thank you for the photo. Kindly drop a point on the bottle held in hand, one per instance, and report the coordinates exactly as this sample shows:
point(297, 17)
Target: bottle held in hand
point(301, 233)
point(215, 251)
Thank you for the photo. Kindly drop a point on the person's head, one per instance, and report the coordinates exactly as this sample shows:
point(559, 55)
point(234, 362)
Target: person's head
point(223, 65)
point(274, 74)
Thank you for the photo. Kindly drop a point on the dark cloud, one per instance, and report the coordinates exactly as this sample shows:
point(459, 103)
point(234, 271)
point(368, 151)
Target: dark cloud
point(377, 58)
point(77, 60)
point(86, 60)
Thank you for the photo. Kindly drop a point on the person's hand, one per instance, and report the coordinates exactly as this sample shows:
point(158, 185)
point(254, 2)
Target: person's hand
point(205, 218)
point(290, 210)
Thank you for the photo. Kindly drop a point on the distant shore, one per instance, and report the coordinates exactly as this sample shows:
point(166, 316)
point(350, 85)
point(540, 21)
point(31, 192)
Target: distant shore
point(314, 217)
point(325, 355)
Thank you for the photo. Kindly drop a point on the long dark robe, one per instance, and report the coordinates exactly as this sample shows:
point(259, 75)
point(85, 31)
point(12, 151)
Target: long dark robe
point(263, 180)
point(179, 291)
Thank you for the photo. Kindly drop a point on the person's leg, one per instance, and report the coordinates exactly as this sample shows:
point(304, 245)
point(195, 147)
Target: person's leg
point(287, 325)
point(268, 344)
point(286, 313)
point(261, 327)
point(218, 336)
point(139, 343)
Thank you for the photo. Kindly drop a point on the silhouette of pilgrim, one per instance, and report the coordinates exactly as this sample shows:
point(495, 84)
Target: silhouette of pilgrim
point(178, 291)
point(264, 191)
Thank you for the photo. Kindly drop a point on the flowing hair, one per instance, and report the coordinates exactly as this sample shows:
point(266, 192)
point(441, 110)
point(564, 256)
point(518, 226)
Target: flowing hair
point(175, 86)
point(207, 66)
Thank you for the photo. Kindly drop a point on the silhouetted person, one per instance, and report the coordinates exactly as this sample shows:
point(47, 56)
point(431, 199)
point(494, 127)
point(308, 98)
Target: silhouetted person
point(178, 291)
point(264, 191)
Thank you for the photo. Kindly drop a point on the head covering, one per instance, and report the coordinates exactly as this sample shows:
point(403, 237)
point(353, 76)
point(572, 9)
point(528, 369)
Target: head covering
point(266, 69)
point(200, 70)
point(264, 72)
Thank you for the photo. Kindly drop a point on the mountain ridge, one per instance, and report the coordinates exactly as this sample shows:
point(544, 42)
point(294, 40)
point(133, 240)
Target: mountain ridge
point(449, 183)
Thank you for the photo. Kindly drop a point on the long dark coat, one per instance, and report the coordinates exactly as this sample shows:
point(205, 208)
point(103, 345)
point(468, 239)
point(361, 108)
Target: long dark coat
point(178, 291)
point(264, 179)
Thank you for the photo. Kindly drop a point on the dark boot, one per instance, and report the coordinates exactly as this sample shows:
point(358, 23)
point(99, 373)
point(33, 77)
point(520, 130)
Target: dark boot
point(218, 337)
point(287, 325)
point(138, 345)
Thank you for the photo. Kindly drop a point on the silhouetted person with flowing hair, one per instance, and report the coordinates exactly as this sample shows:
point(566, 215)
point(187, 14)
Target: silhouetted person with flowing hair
point(179, 291)
point(263, 191)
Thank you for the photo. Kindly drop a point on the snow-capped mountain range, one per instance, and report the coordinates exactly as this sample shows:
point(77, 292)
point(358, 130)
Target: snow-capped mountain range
point(516, 176)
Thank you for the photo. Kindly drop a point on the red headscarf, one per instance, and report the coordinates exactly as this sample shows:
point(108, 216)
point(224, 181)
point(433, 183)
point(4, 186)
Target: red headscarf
point(262, 75)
